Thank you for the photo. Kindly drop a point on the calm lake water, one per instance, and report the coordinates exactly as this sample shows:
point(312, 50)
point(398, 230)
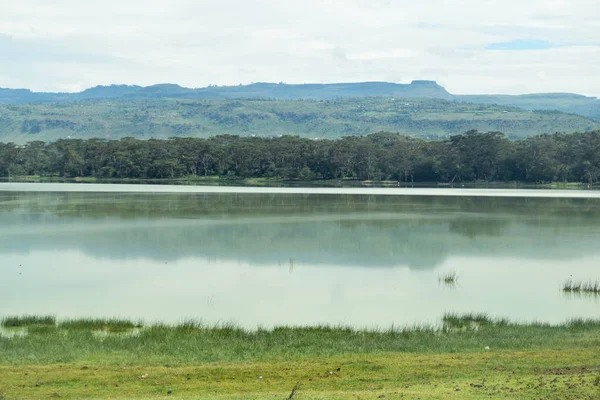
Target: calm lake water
point(295, 257)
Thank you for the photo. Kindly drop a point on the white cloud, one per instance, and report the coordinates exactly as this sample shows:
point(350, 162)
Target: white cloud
point(71, 45)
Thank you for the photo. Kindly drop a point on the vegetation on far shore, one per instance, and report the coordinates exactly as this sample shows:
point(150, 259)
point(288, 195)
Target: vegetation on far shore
point(383, 157)
point(195, 180)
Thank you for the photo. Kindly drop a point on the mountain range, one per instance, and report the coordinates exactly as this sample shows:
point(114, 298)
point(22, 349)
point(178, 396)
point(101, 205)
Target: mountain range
point(421, 108)
point(565, 102)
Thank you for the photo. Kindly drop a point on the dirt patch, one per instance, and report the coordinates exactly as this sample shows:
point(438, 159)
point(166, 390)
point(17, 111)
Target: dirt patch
point(575, 370)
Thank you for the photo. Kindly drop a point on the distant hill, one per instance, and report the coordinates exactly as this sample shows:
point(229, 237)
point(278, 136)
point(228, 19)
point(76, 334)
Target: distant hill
point(163, 118)
point(281, 91)
point(566, 102)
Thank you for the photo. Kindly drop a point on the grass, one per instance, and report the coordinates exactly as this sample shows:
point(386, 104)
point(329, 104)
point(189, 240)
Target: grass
point(547, 374)
point(97, 324)
point(470, 356)
point(191, 342)
point(448, 278)
point(471, 321)
point(27, 320)
point(590, 287)
point(41, 323)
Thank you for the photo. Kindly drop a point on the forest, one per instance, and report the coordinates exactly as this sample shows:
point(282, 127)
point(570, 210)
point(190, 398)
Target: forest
point(468, 157)
point(329, 119)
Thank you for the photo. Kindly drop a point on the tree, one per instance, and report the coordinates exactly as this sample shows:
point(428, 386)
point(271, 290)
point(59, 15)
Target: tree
point(477, 155)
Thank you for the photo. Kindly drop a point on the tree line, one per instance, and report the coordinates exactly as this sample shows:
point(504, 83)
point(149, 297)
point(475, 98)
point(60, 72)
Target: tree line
point(468, 157)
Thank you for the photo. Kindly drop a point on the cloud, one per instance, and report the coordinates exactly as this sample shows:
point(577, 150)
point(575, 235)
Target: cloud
point(71, 45)
point(383, 54)
point(14, 50)
point(521, 44)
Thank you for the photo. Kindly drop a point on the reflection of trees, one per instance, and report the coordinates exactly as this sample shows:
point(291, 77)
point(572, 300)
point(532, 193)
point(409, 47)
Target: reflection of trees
point(194, 205)
point(473, 228)
point(341, 230)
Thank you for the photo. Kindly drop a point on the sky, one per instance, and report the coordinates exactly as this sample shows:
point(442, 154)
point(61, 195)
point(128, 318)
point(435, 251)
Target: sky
point(467, 46)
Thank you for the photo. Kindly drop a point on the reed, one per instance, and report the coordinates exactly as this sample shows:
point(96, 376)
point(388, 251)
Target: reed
point(589, 287)
point(448, 278)
point(27, 320)
point(471, 321)
point(99, 324)
point(191, 342)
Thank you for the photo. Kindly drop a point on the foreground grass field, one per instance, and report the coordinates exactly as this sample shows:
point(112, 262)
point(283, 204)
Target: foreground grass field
point(467, 357)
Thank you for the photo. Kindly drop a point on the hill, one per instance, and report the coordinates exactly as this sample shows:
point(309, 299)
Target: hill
point(159, 118)
point(565, 102)
point(281, 91)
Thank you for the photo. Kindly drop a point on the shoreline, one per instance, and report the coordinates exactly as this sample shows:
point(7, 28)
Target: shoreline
point(474, 356)
point(153, 189)
point(455, 333)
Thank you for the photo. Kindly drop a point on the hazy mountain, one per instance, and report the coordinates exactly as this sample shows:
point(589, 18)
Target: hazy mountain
point(565, 102)
point(164, 118)
point(416, 89)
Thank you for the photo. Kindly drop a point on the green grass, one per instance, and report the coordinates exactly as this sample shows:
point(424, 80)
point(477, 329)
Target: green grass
point(470, 356)
point(98, 324)
point(27, 320)
point(542, 374)
point(565, 185)
point(192, 342)
point(589, 287)
point(474, 321)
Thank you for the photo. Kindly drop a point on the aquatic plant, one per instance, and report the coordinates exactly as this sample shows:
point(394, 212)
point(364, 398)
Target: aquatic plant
point(191, 342)
point(471, 320)
point(448, 278)
point(99, 324)
point(589, 287)
point(27, 320)
point(41, 329)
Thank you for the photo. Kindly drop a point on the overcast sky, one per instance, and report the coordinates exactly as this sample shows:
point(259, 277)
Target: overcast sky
point(469, 46)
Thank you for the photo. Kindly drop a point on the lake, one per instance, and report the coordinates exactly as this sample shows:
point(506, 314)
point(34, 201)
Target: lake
point(270, 256)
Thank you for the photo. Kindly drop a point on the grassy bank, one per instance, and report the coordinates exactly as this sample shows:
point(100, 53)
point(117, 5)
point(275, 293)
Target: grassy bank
point(279, 182)
point(221, 181)
point(468, 356)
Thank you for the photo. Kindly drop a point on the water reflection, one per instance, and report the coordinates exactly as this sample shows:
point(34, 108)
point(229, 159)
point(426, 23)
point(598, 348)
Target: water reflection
point(294, 259)
point(420, 232)
point(71, 284)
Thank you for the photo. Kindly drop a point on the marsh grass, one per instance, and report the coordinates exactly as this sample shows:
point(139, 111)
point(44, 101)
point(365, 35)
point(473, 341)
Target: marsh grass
point(191, 342)
point(41, 329)
point(471, 321)
point(12, 332)
point(198, 325)
point(589, 287)
point(448, 278)
point(99, 324)
point(28, 320)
